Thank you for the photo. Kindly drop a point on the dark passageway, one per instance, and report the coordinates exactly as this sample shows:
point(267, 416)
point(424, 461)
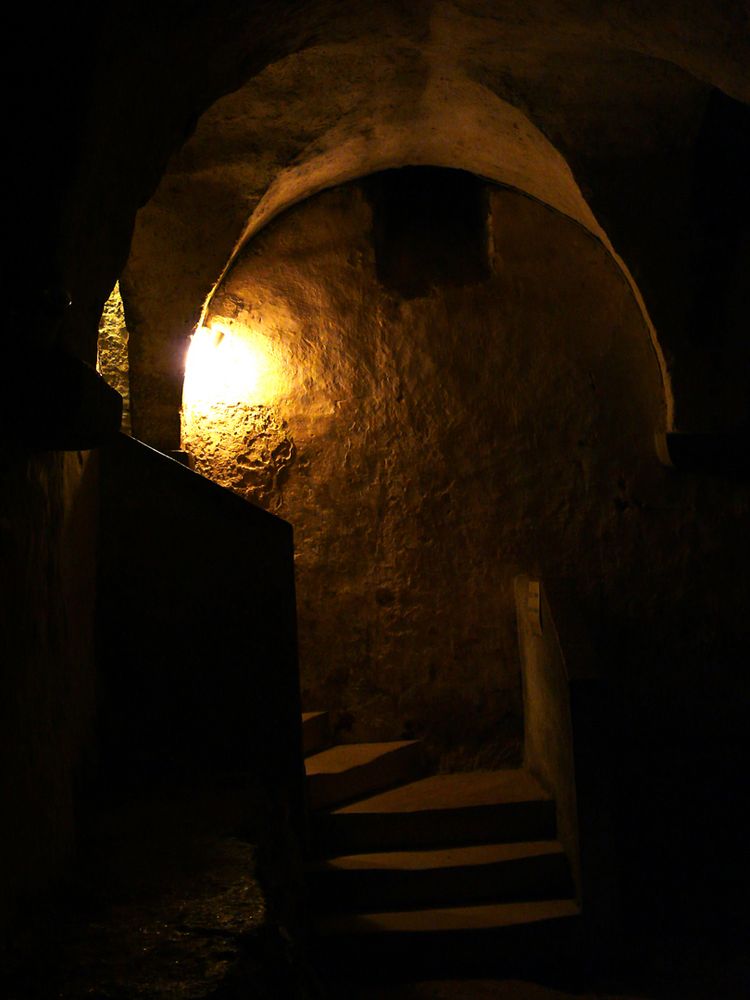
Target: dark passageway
point(430, 299)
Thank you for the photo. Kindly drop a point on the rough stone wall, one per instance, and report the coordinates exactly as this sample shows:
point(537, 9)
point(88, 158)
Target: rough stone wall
point(428, 449)
point(112, 353)
point(47, 532)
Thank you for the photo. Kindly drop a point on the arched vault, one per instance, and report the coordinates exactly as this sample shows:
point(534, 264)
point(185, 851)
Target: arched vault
point(554, 104)
point(456, 123)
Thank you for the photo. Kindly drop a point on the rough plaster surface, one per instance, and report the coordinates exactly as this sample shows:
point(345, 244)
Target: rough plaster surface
point(427, 450)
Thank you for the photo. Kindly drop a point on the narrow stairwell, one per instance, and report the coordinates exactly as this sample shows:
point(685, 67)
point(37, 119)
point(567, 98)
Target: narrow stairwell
point(424, 875)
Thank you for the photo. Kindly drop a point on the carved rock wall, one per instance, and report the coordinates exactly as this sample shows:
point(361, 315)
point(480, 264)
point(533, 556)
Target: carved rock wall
point(112, 352)
point(428, 449)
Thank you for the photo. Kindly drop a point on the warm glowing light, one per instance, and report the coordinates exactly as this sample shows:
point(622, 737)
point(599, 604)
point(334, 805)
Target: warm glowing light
point(224, 367)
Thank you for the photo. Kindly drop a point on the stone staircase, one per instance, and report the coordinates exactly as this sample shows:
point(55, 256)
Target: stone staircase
point(439, 874)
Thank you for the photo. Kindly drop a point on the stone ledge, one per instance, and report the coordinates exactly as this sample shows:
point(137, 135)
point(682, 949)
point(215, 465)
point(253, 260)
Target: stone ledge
point(707, 454)
point(57, 403)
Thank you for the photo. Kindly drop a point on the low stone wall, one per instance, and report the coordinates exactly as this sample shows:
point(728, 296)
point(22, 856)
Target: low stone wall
point(196, 638)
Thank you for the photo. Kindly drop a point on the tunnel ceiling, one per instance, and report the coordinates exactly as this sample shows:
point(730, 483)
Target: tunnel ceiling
point(459, 89)
point(565, 102)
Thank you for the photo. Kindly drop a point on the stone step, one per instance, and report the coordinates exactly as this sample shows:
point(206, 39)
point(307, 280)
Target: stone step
point(316, 732)
point(472, 807)
point(448, 919)
point(401, 879)
point(352, 770)
point(515, 940)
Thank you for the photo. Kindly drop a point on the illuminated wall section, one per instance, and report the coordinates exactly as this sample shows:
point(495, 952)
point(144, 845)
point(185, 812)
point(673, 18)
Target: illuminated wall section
point(237, 380)
point(112, 351)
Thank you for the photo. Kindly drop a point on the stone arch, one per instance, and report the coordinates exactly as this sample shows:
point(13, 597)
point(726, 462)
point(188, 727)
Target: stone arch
point(210, 204)
point(482, 135)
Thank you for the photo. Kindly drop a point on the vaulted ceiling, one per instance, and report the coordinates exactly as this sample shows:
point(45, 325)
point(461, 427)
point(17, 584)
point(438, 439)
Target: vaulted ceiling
point(595, 110)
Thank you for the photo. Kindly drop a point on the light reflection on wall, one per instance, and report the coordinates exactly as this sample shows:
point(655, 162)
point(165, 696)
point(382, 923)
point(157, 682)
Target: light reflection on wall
point(224, 367)
point(237, 384)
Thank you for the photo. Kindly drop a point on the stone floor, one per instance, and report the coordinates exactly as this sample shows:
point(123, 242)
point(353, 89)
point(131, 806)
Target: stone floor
point(166, 905)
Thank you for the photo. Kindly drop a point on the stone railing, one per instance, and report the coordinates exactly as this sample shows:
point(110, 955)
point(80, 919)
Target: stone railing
point(565, 743)
point(196, 631)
